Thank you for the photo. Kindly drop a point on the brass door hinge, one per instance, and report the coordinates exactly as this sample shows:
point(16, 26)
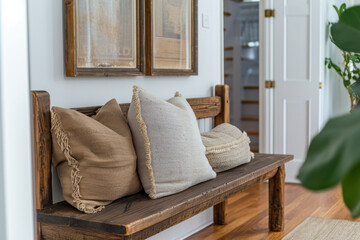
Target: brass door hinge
point(269, 13)
point(321, 85)
point(269, 84)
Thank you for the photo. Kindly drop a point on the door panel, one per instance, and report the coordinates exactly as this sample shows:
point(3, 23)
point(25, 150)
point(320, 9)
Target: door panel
point(297, 48)
point(294, 123)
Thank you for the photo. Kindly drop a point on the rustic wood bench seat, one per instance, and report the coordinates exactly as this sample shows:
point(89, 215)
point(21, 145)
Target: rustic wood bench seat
point(137, 216)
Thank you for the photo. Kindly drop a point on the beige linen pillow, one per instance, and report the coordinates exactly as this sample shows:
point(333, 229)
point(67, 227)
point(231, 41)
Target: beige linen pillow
point(226, 147)
point(171, 156)
point(94, 157)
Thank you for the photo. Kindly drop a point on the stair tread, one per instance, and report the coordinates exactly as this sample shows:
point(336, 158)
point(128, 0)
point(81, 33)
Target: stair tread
point(251, 87)
point(253, 133)
point(250, 101)
point(249, 118)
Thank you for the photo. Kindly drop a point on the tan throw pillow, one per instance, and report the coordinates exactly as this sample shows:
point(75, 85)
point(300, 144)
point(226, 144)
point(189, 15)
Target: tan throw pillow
point(171, 156)
point(226, 147)
point(94, 157)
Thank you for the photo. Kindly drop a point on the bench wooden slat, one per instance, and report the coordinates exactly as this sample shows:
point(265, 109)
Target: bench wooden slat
point(136, 213)
point(42, 153)
point(203, 107)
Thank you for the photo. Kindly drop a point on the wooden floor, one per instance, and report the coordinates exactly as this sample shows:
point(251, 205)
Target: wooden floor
point(249, 212)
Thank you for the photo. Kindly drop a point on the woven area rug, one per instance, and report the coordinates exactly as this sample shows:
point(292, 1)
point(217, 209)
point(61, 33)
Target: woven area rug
point(325, 229)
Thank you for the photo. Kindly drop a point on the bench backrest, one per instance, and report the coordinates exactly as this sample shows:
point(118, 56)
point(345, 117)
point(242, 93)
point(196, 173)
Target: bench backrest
point(209, 107)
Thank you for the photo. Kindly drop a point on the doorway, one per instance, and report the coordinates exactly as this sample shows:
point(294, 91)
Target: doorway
point(241, 65)
point(273, 63)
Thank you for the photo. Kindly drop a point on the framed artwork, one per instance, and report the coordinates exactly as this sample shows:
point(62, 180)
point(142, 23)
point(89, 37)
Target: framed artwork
point(171, 37)
point(104, 37)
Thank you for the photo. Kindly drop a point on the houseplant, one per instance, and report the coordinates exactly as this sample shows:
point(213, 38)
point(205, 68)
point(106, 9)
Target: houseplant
point(349, 72)
point(334, 154)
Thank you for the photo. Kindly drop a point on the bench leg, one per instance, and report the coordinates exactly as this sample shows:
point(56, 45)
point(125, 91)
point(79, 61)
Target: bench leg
point(38, 231)
point(220, 213)
point(276, 201)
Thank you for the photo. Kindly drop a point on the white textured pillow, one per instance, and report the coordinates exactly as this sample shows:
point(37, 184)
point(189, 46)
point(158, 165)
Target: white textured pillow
point(171, 155)
point(226, 147)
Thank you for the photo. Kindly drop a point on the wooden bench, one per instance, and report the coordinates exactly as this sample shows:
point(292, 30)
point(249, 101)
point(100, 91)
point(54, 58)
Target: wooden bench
point(137, 216)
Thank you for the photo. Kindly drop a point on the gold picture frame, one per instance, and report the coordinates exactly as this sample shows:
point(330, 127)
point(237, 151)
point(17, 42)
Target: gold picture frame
point(104, 38)
point(171, 37)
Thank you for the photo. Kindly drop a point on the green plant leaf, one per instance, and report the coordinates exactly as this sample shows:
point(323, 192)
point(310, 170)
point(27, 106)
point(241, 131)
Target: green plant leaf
point(355, 89)
point(350, 185)
point(356, 78)
point(337, 10)
point(354, 59)
point(346, 83)
point(330, 64)
point(357, 56)
point(346, 32)
point(332, 153)
point(340, 10)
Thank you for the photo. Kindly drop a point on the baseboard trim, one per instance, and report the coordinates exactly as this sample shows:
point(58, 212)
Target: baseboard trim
point(187, 227)
point(197, 229)
point(292, 169)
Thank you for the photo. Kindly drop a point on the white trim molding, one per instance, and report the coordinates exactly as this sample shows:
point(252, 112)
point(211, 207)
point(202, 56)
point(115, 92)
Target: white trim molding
point(16, 186)
point(266, 96)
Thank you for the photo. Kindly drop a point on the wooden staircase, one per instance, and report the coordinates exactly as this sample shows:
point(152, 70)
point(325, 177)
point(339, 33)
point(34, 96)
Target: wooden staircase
point(250, 104)
point(249, 120)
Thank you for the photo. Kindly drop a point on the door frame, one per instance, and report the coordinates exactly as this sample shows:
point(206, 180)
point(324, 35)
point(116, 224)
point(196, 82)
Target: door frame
point(266, 72)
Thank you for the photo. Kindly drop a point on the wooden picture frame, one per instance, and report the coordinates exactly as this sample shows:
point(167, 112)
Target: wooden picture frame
point(104, 38)
point(171, 37)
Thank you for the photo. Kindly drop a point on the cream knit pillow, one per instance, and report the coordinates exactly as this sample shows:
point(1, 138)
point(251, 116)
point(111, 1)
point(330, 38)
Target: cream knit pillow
point(226, 147)
point(171, 156)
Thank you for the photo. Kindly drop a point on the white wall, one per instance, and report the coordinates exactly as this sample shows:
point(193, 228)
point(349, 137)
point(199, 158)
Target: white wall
point(47, 69)
point(47, 62)
point(16, 198)
point(336, 98)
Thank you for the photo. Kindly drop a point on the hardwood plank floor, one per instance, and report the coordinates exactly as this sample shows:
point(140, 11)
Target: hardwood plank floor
point(248, 212)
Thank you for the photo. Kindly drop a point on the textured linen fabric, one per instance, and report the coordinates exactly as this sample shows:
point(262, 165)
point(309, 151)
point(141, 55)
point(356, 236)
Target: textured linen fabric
point(95, 157)
point(226, 147)
point(171, 156)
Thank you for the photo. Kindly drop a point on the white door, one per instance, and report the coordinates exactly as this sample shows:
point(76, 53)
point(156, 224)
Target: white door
point(298, 66)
